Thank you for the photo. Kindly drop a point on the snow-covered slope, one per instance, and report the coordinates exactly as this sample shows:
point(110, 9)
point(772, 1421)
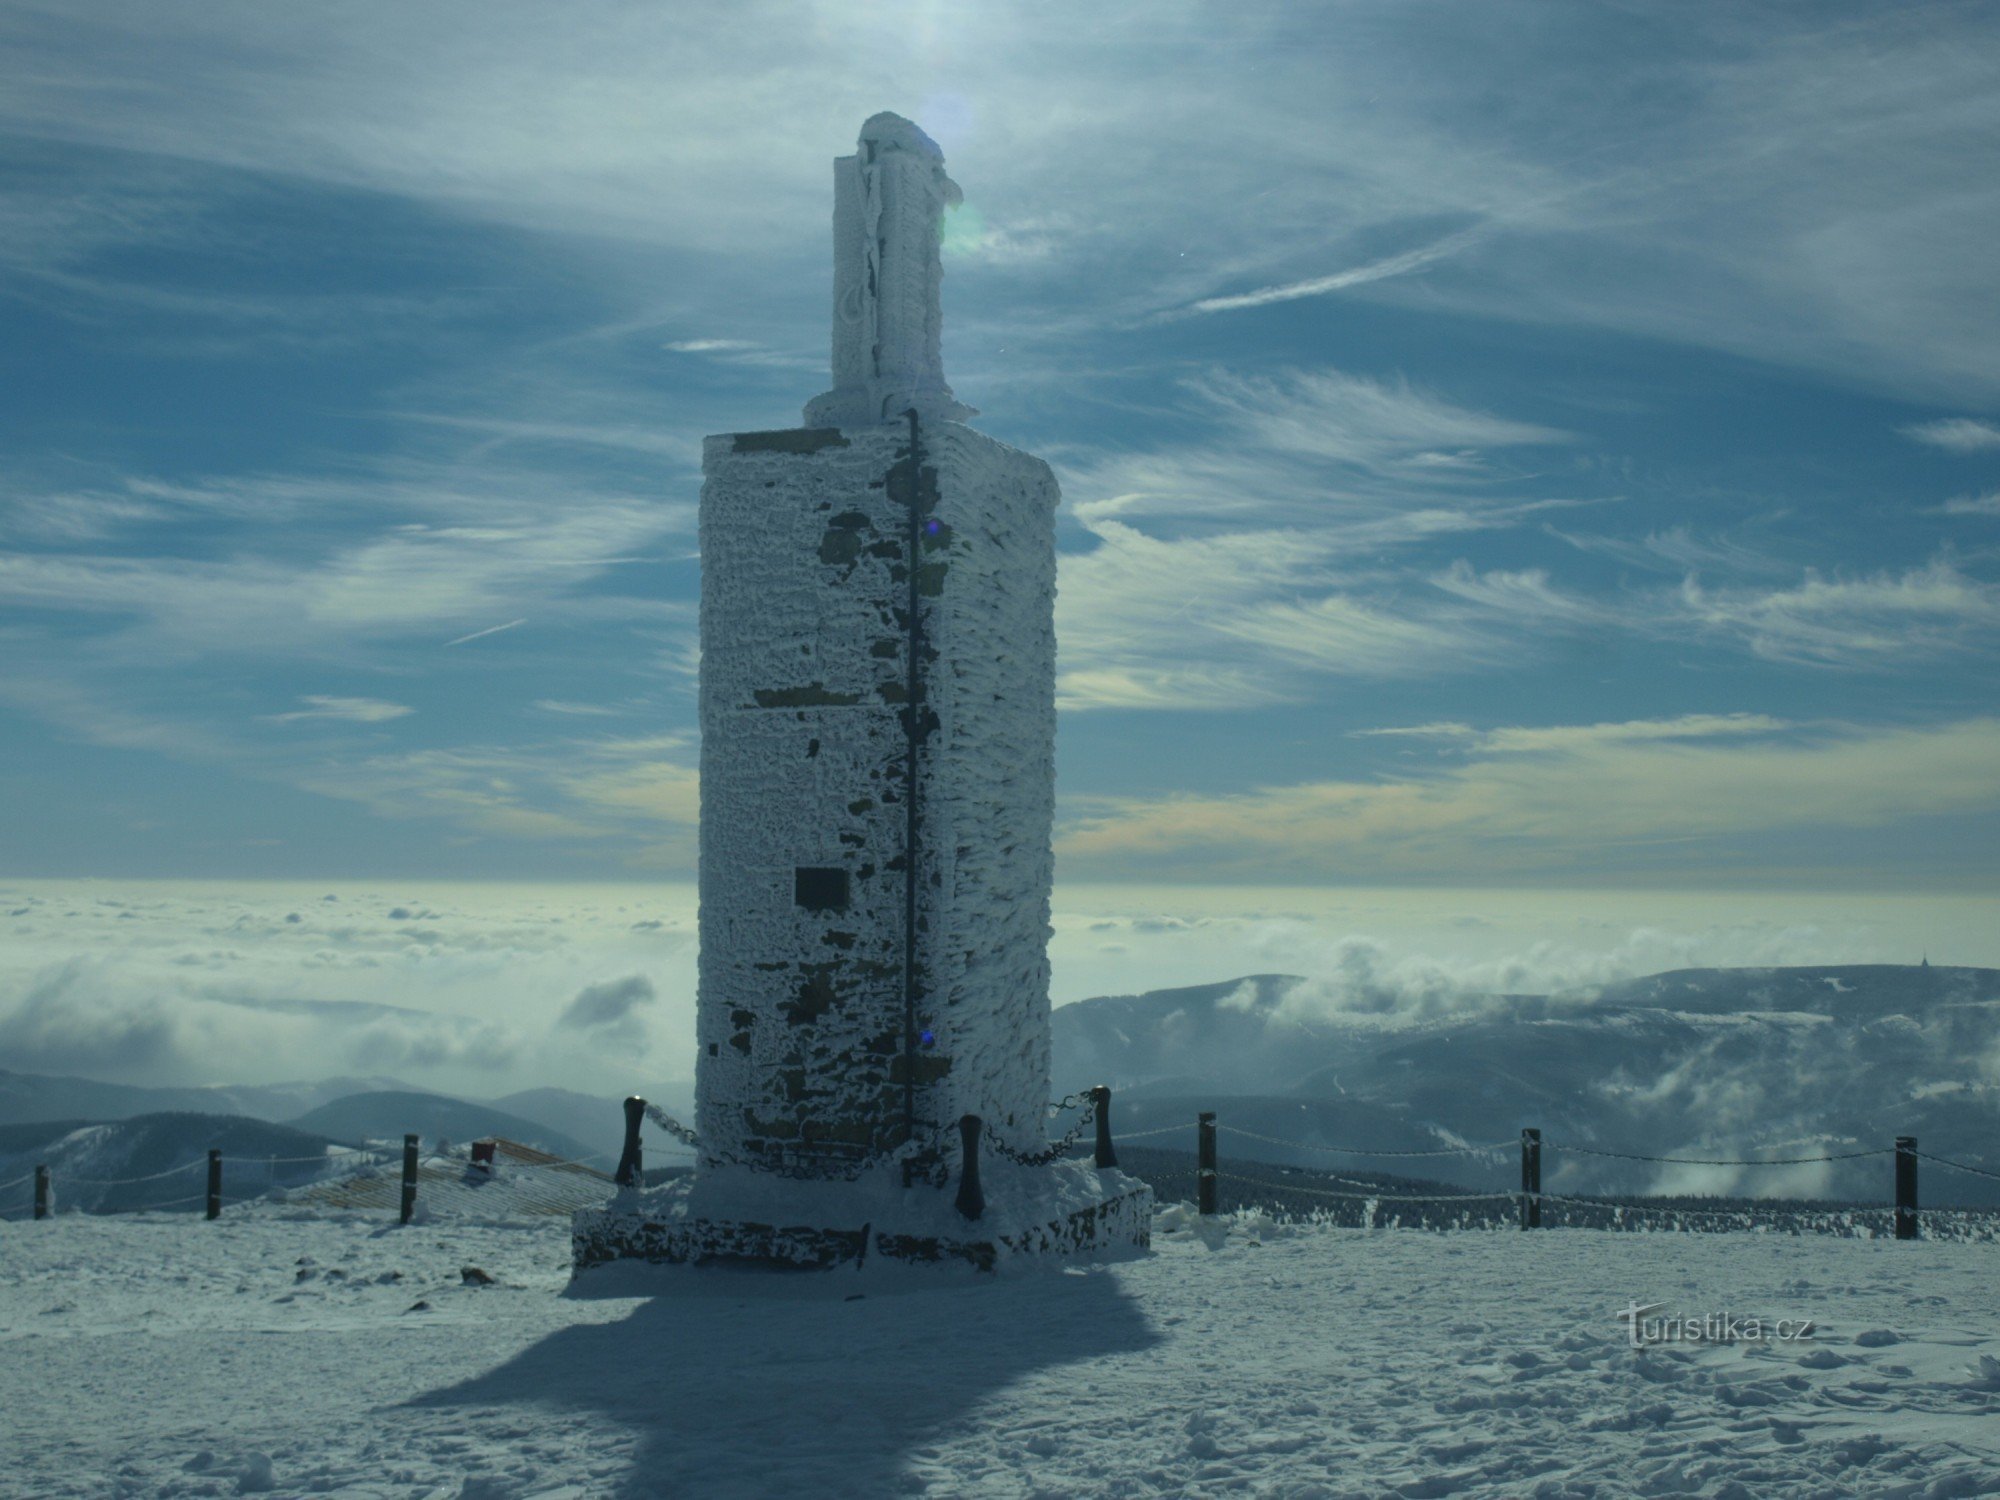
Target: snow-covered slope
point(390, 1115)
point(161, 1160)
point(522, 1183)
point(290, 1354)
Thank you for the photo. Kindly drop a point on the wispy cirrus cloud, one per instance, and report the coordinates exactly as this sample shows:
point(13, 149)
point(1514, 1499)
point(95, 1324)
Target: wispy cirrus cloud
point(1576, 737)
point(1972, 505)
point(577, 279)
point(620, 437)
point(1674, 549)
point(1402, 264)
point(1955, 434)
point(1815, 206)
point(1181, 562)
point(1561, 800)
point(1874, 618)
point(638, 795)
point(1531, 739)
point(1442, 729)
point(1378, 426)
point(350, 710)
point(1526, 595)
point(1264, 548)
point(278, 587)
point(1853, 622)
point(1256, 609)
point(477, 635)
point(746, 353)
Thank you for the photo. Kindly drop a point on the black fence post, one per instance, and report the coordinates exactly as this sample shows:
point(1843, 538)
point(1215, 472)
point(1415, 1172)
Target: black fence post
point(214, 1182)
point(1204, 1161)
point(42, 1191)
point(631, 1165)
point(1531, 1178)
point(1906, 1187)
point(409, 1177)
point(971, 1202)
point(1101, 1097)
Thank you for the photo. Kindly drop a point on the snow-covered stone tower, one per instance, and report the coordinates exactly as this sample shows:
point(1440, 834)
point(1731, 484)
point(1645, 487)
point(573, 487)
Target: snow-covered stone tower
point(878, 734)
point(877, 795)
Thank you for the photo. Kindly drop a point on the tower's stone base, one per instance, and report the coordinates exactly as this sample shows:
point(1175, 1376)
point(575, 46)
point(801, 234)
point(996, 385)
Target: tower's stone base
point(1075, 1211)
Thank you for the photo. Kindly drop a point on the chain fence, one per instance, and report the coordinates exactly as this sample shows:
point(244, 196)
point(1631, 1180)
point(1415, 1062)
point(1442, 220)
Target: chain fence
point(672, 1126)
point(1375, 1196)
point(1956, 1166)
point(1721, 1161)
point(1370, 1150)
point(344, 1175)
point(1055, 1149)
point(105, 1182)
point(1578, 1209)
point(1278, 1190)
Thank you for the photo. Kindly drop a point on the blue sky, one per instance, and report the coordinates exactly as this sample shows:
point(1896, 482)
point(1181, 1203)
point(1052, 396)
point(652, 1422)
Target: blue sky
point(1515, 445)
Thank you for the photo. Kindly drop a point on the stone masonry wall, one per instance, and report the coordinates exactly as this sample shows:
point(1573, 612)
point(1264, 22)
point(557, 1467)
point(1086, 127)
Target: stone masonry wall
point(805, 729)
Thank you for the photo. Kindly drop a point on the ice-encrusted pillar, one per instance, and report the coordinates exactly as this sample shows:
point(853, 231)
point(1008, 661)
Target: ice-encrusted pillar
point(889, 200)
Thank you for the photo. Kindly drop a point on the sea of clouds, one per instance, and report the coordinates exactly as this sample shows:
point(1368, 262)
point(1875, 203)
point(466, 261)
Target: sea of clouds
point(477, 990)
point(483, 989)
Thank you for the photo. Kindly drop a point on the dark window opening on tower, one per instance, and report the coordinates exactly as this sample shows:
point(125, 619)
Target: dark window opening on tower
point(820, 889)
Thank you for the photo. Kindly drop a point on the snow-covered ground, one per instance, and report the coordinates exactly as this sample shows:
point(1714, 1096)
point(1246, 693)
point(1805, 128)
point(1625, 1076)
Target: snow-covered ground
point(286, 1352)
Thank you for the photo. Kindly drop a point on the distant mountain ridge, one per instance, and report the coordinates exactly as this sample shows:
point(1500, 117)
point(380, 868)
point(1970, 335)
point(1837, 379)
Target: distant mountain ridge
point(598, 1122)
point(26, 1098)
point(1696, 1062)
point(561, 1119)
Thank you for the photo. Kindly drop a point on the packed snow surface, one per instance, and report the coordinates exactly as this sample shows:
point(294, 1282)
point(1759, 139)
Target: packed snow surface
point(291, 1354)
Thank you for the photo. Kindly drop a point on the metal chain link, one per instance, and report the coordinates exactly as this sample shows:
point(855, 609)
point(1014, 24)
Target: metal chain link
point(1371, 1197)
point(1736, 1214)
point(1140, 1135)
point(1705, 1161)
point(186, 1166)
point(147, 1208)
point(671, 1126)
point(1946, 1161)
point(1776, 1207)
point(1061, 1147)
point(1366, 1150)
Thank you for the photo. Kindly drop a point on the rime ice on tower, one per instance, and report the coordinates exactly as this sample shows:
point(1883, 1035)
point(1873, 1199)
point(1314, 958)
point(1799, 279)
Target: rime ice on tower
point(877, 793)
